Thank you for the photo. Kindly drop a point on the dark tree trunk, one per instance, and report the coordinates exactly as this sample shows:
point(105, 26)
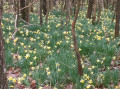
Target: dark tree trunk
point(22, 7)
point(94, 11)
point(44, 7)
point(41, 19)
point(117, 18)
point(89, 11)
point(80, 70)
point(25, 10)
point(3, 78)
point(100, 8)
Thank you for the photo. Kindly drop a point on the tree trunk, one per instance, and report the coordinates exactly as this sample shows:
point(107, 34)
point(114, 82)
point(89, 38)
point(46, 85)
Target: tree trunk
point(67, 12)
point(89, 11)
point(41, 19)
point(25, 10)
point(117, 18)
point(80, 70)
point(94, 11)
point(100, 8)
point(17, 12)
point(27, 16)
point(3, 78)
point(62, 10)
point(47, 14)
point(44, 7)
point(22, 7)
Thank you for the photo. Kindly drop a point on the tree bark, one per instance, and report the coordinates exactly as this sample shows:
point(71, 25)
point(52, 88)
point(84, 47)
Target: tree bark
point(62, 11)
point(67, 12)
point(41, 19)
point(100, 8)
point(117, 18)
point(3, 78)
point(44, 7)
point(47, 14)
point(89, 11)
point(94, 11)
point(27, 16)
point(23, 12)
point(80, 70)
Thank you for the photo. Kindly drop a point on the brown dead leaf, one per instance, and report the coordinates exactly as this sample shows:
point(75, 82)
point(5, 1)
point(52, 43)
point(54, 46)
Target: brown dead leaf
point(33, 84)
point(30, 79)
point(12, 72)
point(19, 86)
point(69, 86)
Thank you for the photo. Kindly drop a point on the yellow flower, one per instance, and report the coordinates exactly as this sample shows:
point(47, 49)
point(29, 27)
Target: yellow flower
point(90, 81)
point(80, 49)
point(40, 88)
point(93, 67)
point(30, 74)
point(57, 25)
point(55, 88)
point(33, 68)
point(48, 73)
point(116, 87)
point(11, 86)
point(31, 39)
point(114, 58)
point(22, 44)
point(47, 69)
point(57, 64)
point(59, 70)
point(22, 78)
point(19, 82)
point(19, 57)
point(104, 58)
point(24, 75)
point(14, 80)
point(108, 39)
point(88, 86)
point(82, 81)
point(91, 73)
point(31, 63)
point(10, 78)
point(98, 60)
point(7, 41)
point(37, 67)
point(16, 39)
point(58, 43)
point(27, 56)
point(49, 48)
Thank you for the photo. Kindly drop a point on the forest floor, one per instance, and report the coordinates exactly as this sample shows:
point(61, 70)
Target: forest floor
point(44, 58)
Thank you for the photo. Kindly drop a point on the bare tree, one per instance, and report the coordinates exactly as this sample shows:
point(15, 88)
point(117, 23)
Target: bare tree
point(47, 12)
point(89, 11)
point(25, 10)
point(94, 11)
point(41, 19)
point(100, 2)
point(3, 79)
point(117, 18)
point(62, 11)
point(22, 5)
point(80, 70)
